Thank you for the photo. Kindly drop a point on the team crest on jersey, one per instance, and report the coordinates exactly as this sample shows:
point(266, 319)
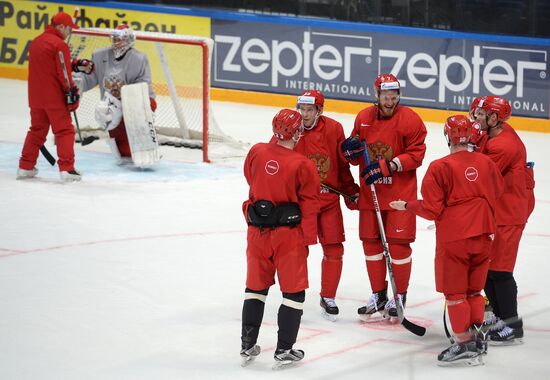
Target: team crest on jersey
point(471, 173)
point(113, 85)
point(271, 167)
point(381, 151)
point(322, 163)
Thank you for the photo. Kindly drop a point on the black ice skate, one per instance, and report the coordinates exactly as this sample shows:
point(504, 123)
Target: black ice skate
point(374, 310)
point(330, 310)
point(480, 335)
point(249, 354)
point(391, 309)
point(506, 336)
point(287, 358)
point(460, 354)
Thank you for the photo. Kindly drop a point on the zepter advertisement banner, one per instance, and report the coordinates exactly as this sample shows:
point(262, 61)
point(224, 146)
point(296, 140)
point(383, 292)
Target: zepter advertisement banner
point(21, 21)
point(435, 72)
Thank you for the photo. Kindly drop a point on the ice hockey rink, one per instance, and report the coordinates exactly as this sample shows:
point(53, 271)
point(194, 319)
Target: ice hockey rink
point(140, 274)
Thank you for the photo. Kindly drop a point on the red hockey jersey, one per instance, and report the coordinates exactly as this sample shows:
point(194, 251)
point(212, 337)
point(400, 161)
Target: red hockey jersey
point(281, 175)
point(322, 146)
point(509, 154)
point(400, 138)
point(47, 85)
point(460, 193)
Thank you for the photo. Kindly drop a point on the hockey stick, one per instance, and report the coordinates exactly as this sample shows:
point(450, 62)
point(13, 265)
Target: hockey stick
point(47, 155)
point(447, 332)
point(89, 139)
point(414, 328)
point(348, 197)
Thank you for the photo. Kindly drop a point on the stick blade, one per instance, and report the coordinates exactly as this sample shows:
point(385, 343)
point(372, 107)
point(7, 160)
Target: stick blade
point(47, 155)
point(414, 328)
point(88, 140)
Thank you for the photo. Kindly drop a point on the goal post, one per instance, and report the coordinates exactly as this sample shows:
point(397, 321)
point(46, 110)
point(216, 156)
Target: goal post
point(180, 74)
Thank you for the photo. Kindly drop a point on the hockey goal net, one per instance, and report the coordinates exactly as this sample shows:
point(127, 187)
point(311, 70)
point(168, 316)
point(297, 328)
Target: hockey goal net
point(180, 73)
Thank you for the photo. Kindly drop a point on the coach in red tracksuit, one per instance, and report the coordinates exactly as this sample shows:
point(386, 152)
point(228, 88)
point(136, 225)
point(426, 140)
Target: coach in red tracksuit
point(48, 100)
point(460, 193)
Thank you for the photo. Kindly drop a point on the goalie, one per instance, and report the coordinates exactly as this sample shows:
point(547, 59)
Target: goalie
point(127, 99)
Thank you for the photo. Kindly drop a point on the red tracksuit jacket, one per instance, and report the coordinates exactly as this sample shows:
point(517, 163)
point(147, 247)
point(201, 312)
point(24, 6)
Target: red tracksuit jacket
point(47, 85)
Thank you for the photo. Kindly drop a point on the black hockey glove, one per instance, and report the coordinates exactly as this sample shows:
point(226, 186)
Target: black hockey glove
point(376, 170)
point(352, 148)
point(85, 66)
point(72, 99)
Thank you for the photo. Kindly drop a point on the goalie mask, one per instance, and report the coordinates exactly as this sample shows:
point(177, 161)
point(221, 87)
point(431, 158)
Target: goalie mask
point(122, 40)
point(310, 105)
point(286, 123)
point(458, 130)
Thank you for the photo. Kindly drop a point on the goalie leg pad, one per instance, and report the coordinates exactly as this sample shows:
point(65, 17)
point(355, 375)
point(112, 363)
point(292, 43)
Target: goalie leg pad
point(138, 119)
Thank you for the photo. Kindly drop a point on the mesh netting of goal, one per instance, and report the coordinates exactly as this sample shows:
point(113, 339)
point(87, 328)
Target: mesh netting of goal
point(180, 69)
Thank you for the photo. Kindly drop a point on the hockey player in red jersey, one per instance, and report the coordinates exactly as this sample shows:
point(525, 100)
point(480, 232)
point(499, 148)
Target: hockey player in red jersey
point(507, 150)
point(50, 99)
point(320, 142)
point(395, 136)
point(281, 212)
point(460, 193)
point(479, 137)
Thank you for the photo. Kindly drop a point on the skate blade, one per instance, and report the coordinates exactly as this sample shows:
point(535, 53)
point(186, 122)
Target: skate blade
point(465, 362)
point(285, 364)
point(513, 342)
point(246, 361)
point(374, 318)
point(329, 317)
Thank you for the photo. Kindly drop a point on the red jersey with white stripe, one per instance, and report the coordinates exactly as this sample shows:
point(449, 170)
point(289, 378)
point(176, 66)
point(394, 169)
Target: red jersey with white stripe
point(281, 175)
point(399, 138)
point(508, 152)
point(321, 145)
point(460, 192)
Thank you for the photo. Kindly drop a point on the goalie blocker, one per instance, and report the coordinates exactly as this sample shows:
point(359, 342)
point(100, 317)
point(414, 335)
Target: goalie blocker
point(138, 119)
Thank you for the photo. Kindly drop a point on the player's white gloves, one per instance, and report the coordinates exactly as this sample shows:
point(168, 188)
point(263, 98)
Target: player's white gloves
point(108, 112)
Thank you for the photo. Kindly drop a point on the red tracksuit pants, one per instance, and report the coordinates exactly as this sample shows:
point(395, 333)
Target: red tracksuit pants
point(41, 120)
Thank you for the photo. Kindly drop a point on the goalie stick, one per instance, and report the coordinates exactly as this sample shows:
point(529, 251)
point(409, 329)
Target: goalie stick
point(414, 328)
point(348, 197)
point(90, 139)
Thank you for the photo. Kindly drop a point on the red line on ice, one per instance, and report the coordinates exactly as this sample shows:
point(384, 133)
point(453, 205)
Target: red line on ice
point(15, 252)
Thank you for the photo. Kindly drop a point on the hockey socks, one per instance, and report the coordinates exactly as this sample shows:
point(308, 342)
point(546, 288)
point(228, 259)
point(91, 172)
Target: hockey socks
point(401, 264)
point(459, 315)
point(253, 313)
point(331, 269)
point(376, 265)
point(289, 317)
point(504, 297)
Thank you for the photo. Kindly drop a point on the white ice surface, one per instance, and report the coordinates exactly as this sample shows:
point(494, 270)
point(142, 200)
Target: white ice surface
point(140, 275)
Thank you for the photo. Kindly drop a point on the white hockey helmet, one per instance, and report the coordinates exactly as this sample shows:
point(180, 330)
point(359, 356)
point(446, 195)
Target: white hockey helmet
point(122, 40)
